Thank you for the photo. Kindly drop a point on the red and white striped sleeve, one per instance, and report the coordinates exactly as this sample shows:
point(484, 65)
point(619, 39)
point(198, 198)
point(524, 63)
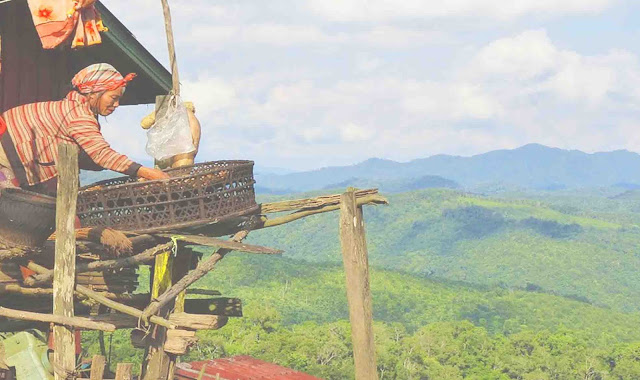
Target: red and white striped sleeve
point(86, 132)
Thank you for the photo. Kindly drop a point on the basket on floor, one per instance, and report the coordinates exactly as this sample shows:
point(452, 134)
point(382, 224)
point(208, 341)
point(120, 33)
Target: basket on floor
point(195, 195)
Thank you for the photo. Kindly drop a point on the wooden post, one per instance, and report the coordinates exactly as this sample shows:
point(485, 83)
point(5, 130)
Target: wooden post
point(181, 267)
point(167, 271)
point(356, 266)
point(157, 363)
point(97, 367)
point(123, 371)
point(64, 357)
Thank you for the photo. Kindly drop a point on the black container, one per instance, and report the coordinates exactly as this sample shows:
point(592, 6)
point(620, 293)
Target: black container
point(27, 219)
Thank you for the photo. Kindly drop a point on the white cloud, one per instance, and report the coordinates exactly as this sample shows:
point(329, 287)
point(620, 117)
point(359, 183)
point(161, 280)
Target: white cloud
point(217, 37)
point(529, 65)
point(449, 101)
point(386, 10)
point(214, 93)
point(293, 84)
point(524, 56)
point(352, 132)
point(368, 64)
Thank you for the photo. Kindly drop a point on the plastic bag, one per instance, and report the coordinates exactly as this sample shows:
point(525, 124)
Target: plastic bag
point(171, 134)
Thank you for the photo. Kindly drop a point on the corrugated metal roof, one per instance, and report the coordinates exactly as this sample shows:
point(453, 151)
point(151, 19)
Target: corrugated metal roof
point(238, 368)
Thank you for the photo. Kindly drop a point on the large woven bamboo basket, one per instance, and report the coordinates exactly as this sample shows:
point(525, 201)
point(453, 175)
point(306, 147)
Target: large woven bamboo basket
point(195, 195)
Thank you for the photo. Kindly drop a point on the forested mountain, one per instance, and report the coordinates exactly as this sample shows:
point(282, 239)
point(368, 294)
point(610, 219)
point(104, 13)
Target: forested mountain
point(531, 166)
point(581, 247)
point(296, 315)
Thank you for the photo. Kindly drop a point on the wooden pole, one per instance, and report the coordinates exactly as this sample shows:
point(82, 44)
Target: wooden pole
point(147, 255)
point(129, 310)
point(356, 266)
point(64, 356)
point(171, 46)
point(97, 367)
point(311, 203)
point(181, 267)
point(157, 362)
point(79, 322)
point(123, 371)
point(369, 199)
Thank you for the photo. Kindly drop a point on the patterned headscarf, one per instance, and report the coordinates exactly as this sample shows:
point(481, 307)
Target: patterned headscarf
point(99, 77)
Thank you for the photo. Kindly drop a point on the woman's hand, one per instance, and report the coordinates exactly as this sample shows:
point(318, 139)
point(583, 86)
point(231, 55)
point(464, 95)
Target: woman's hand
point(151, 174)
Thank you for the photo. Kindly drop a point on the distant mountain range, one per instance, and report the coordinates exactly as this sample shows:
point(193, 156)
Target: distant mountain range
point(532, 166)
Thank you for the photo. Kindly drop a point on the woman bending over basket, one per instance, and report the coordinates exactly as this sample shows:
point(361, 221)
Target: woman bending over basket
point(30, 133)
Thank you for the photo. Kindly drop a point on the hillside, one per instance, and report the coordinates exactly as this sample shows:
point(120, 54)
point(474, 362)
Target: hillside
point(295, 315)
point(510, 243)
point(531, 166)
point(301, 292)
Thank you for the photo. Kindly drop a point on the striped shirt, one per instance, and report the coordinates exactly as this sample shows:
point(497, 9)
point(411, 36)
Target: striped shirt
point(34, 131)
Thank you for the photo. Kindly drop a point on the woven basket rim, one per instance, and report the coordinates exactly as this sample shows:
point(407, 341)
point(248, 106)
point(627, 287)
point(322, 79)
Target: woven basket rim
point(88, 188)
point(21, 195)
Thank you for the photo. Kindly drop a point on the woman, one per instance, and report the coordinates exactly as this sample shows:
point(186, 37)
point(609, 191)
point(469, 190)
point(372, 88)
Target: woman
point(31, 133)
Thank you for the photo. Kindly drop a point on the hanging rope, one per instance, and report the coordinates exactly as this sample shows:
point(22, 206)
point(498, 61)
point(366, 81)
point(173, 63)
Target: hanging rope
point(172, 49)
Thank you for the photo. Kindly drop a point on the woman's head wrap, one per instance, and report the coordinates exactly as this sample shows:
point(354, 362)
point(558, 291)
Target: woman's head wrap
point(99, 77)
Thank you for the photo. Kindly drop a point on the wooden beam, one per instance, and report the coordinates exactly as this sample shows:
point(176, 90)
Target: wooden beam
point(147, 255)
point(356, 265)
point(221, 243)
point(301, 207)
point(17, 289)
point(179, 341)
point(79, 322)
point(369, 199)
point(204, 292)
point(309, 203)
point(121, 321)
point(229, 307)
point(64, 352)
point(129, 310)
point(138, 298)
point(181, 320)
point(198, 321)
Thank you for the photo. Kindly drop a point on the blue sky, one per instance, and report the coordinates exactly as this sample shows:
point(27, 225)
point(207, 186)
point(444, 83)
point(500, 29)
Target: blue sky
point(303, 84)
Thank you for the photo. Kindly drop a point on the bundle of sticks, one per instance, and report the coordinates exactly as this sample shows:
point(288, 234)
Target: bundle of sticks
point(115, 242)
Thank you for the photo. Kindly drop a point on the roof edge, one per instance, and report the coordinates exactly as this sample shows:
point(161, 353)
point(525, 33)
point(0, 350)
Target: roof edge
point(119, 35)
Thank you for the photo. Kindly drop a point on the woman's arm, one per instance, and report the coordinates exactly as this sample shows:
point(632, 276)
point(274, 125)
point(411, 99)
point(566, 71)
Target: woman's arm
point(86, 133)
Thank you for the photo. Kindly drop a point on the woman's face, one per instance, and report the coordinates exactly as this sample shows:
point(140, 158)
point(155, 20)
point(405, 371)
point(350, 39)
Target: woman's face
point(105, 103)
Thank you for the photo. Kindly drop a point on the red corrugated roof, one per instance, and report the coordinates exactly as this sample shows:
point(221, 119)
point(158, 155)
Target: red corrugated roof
point(238, 368)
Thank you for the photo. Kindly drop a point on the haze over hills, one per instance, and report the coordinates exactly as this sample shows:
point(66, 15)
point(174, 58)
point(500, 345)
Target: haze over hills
point(531, 166)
